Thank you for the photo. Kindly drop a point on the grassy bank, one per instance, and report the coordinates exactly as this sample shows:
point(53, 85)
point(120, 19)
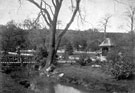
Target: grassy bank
point(16, 80)
point(9, 85)
point(94, 79)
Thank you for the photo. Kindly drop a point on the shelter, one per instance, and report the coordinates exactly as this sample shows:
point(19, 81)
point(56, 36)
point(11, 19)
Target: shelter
point(105, 46)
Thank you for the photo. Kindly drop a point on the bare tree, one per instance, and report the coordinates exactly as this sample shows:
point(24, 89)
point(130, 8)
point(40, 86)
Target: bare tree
point(30, 24)
point(130, 13)
point(104, 23)
point(131, 16)
point(50, 13)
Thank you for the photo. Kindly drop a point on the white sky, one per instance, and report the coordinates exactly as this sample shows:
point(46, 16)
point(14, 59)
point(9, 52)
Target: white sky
point(94, 10)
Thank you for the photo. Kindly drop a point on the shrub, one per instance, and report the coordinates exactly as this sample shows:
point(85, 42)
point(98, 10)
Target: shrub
point(41, 55)
point(69, 49)
point(83, 60)
point(120, 66)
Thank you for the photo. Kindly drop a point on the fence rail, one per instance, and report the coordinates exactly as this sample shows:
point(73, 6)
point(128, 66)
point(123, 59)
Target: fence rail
point(15, 59)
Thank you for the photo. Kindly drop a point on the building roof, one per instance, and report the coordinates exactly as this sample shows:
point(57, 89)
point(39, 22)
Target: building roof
point(106, 43)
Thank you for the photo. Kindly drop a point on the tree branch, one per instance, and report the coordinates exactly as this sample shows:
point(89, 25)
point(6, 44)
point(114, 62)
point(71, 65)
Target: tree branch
point(36, 19)
point(53, 3)
point(118, 1)
point(69, 23)
point(44, 9)
point(48, 6)
point(45, 19)
point(57, 9)
point(72, 18)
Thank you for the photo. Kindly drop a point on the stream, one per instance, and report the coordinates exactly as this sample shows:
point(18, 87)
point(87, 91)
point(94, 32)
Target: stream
point(66, 89)
point(57, 88)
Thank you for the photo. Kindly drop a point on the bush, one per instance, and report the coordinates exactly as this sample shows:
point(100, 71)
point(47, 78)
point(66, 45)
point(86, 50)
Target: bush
point(84, 59)
point(69, 49)
point(120, 66)
point(41, 56)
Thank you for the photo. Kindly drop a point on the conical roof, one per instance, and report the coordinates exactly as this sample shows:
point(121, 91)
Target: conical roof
point(106, 43)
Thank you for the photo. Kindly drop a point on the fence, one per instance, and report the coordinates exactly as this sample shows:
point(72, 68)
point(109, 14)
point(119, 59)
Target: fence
point(14, 59)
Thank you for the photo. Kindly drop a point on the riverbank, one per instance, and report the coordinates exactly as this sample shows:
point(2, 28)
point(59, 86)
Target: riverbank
point(94, 79)
point(88, 78)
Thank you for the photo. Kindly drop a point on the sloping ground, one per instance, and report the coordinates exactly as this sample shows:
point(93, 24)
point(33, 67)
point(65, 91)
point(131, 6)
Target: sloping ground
point(8, 85)
point(95, 79)
point(84, 72)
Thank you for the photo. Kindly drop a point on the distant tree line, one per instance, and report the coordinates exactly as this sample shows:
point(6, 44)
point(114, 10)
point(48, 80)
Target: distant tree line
point(12, 36)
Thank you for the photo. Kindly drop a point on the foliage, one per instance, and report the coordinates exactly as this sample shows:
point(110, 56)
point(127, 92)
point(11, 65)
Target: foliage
point(69, 49)
point(41, 55)
point(93, 45)
point(63, 42)
point(80, 43)
point(84, 59)
point(12, 36)
point(120, 65)
point(30, 24)
point(38, 37)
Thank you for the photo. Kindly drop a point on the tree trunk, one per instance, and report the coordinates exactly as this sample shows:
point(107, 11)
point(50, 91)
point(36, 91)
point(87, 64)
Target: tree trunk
point(52, 52)
point(51, 57)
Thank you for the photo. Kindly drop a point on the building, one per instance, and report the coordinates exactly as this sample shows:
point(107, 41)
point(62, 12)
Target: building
point(105, 46)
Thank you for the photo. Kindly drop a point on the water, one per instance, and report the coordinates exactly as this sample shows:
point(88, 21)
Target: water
point(66, 89)
point(57, 88)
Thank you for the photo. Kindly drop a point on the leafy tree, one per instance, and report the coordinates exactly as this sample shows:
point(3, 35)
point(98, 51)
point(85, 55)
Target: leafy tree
point(12, 37)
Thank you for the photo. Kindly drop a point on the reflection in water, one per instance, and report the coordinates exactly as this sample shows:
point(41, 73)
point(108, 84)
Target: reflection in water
point(56, 88)
point(47, 88)
point(66, 89)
